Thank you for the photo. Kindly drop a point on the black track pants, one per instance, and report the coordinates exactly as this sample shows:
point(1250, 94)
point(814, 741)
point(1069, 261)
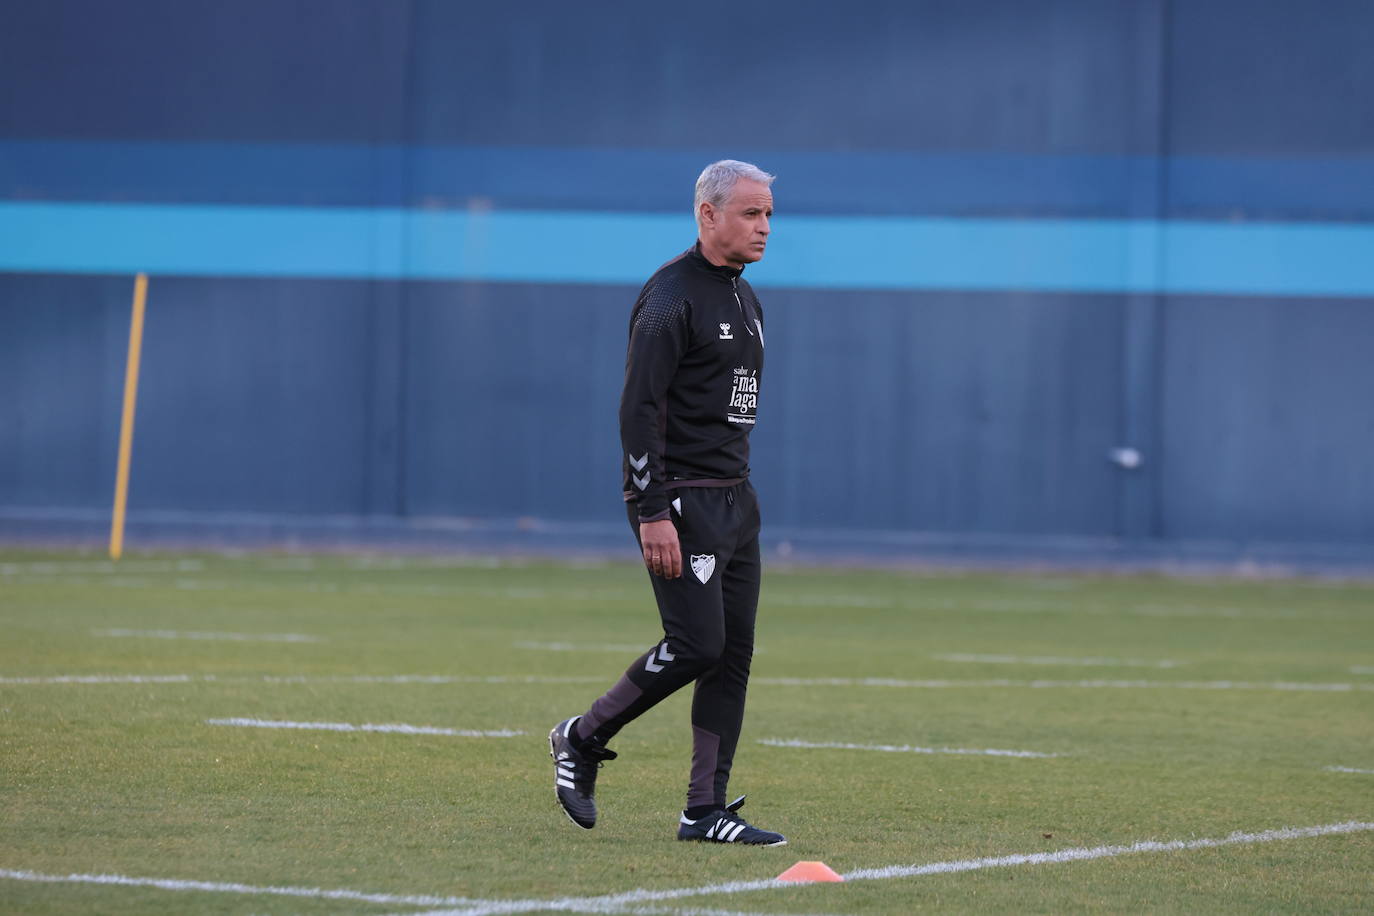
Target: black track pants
point(708, 634)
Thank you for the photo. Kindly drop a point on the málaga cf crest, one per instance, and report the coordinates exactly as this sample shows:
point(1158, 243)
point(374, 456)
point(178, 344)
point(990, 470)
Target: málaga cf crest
point(703, 565)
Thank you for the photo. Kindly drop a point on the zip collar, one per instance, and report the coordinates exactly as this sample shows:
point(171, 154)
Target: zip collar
point(727, 274)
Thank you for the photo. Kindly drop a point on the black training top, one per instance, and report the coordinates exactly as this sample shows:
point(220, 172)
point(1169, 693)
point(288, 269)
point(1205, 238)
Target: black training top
point(692, 377)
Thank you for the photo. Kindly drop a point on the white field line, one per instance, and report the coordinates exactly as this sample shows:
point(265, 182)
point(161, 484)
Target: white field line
point(994, 605)
point(1361, 669)
point(631, 900)
point(618, 910)
point(900, 749)
point(760, 681)
point(397, 728)
point(1051, 585)
point(1349, 770)
point(216, 887)
point(203, 635)
point(1044, 685)
point(1105, 852)
point(402, 564)
point(103, 679)
point(271, 564)
point(302, 679)
point(1240, 613)
point(617, 903)
point(1054, 660)
point(1042, 605)
point(100, 567)
point(579, 647)
point(823, 600)
point(592, 647)
point(377, 563)
point(343, 588)
point(631, 910)
point(688, 911)
point(420, 679)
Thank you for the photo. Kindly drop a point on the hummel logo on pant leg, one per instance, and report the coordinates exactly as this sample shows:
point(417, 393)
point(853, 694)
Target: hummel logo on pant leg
point(660, 654)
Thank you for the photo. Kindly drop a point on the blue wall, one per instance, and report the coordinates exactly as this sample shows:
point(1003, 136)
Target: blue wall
point(393, 248)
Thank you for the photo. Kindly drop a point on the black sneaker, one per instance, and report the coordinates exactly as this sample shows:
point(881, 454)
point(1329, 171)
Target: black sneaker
point(574, 773)
point(725, 826)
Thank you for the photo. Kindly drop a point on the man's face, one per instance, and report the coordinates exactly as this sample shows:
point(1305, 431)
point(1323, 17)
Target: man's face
point(739, 230)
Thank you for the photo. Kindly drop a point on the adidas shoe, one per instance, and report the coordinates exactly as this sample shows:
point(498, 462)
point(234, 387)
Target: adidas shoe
point(725, 826)
point(574, 773)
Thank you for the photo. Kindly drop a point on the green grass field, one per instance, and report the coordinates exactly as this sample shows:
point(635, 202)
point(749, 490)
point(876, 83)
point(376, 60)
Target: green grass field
point(1160, 710)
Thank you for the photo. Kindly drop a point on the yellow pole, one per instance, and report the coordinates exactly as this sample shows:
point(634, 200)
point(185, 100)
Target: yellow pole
point(126, 428)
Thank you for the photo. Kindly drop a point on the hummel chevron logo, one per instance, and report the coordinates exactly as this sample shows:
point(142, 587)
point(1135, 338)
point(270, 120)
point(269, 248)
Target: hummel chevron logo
point(638, 464)
point(660, 654)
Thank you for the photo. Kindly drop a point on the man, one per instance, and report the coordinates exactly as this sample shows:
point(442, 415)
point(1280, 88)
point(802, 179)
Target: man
point(692, 377)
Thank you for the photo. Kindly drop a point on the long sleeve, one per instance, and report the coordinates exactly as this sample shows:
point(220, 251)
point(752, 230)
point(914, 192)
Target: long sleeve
point(659, 336)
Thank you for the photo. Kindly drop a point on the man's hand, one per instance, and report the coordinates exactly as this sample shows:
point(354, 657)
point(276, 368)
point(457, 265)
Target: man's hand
point(662, 552)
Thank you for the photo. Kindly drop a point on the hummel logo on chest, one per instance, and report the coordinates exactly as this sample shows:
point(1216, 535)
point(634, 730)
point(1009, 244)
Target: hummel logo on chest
point(725, 331)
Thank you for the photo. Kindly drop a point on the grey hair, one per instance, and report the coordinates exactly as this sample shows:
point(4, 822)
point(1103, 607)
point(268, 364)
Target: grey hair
point(718, 179)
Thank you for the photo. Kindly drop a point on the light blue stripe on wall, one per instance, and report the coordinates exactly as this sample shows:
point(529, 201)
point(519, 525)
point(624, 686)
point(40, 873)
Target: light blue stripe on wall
point(1267, 259)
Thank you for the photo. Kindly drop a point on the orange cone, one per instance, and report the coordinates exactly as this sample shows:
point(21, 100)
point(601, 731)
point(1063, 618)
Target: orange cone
point(807, 872)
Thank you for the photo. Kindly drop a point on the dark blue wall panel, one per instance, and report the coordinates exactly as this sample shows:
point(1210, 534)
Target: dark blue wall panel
point(1268, 420)
point(252, 70)
point(955, 412)
point(512, 394)
point(1282, 77)
point(948, 412)
point(721, 75)
point(255, 396)
point(63, 344)
point(710, 76)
